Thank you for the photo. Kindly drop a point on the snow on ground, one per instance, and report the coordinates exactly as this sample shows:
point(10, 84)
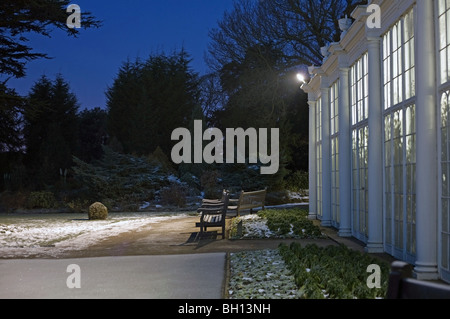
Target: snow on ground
point(24, 236)
point(260, 275)
point(255, 227)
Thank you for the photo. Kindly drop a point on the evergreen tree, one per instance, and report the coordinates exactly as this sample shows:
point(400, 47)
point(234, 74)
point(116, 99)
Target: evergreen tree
point(150, 99)
point(11, 105)
point(19, 18)
point(51, 129)
point(11, 139)
point(92, 134)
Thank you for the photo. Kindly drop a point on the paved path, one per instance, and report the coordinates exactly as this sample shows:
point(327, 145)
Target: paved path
point(197, 276)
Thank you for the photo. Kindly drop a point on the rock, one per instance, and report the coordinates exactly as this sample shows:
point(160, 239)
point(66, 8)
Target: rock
point(98, 211)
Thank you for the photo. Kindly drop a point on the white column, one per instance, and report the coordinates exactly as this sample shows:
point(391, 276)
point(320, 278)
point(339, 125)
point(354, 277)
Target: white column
point(426, 215)
point(345, 151)
point(326, 154)
point(375, 222)
point(312, 159)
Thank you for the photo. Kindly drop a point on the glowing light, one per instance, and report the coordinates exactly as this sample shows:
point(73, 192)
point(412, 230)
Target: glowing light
point(301, 78)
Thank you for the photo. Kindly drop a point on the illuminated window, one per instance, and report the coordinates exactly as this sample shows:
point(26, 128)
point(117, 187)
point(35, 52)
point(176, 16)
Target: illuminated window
point(400, 139)
point(444, 40)
point(400, 181)
point(360, 90)
point(334, 107)
point(319, 156)
point(445, 180)
point(399, 80)
point(360, 194)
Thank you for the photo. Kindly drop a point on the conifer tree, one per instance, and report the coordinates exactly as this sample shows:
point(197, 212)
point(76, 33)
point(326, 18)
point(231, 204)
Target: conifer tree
point(149, 99)
point(20, 18)
point(51, 129)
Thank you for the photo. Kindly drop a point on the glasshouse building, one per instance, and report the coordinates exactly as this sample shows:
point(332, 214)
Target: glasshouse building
point(380, 132)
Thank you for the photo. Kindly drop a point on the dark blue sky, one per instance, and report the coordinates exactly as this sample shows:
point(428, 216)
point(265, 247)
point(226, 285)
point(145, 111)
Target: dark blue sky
point(131, 29)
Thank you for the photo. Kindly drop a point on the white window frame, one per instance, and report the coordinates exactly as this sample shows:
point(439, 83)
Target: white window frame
point(398, 97)
point(359, 110)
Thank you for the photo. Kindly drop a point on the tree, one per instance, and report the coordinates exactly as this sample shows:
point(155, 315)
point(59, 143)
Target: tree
point(51, 129)
point(11, 139)
point(11, 105)
point(298, 28)
point(92, 134)
point(254, 54)
point(19, 18)
point(150, 99)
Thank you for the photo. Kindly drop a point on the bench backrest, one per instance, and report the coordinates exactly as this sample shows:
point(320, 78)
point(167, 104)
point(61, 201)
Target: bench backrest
point(403, 286)
point(252, 199)
point(225, 201)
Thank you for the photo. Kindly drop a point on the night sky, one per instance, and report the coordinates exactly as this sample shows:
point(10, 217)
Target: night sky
point(131, 29)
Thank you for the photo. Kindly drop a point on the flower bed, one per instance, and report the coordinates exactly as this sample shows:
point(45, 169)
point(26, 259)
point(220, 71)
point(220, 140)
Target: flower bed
point(310, 272)
point(272, 223)
point(334, 272)
point(260, 275)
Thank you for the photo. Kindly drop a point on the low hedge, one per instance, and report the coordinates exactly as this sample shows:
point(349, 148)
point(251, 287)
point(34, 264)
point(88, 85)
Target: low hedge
point(333, 272)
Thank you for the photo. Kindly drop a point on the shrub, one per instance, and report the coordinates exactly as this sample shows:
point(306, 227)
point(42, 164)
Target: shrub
point(124, 178)
point(175, 194)
point(285, 223)
point(210, 183)
point(284, 220)
point(79, 205)
point(334, 272)
point(44, 200)
point(98, 211)
point(297, 181)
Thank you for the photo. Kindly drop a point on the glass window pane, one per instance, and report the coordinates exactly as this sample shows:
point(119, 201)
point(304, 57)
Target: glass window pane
point(445, 251)
point(441, 6)
point(445, 221)
point(448, 27)
point(442, 32)
point(412, 52)
point(445, 180)
point(409, 26)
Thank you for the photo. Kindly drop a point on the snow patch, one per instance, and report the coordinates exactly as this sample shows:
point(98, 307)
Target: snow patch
point(55, 234)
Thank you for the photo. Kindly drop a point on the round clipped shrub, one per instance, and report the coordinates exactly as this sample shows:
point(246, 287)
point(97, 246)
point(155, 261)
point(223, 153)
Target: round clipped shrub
point(98, 211)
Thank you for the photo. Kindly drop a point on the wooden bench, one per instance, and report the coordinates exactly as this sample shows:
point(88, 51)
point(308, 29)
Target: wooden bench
point(403, 286)
point(213, 214)
point(248, 201)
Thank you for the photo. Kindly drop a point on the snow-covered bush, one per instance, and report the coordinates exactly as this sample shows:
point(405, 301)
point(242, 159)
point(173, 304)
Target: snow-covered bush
point(275, 223)
point(121, 177)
